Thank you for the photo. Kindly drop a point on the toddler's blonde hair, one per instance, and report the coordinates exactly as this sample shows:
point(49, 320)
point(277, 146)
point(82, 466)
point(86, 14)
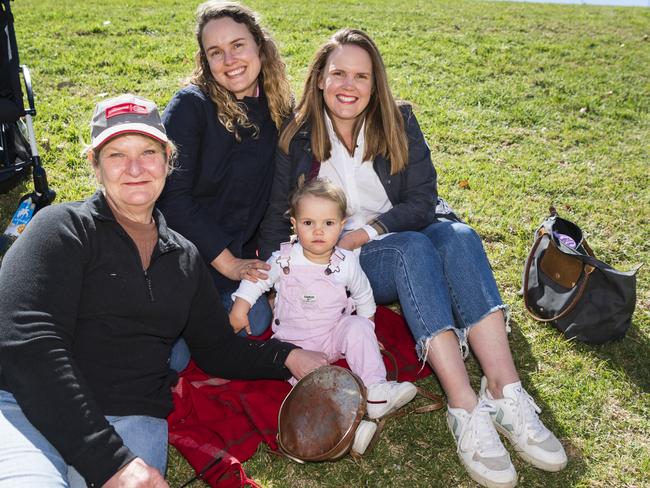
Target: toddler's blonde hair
point(321, 189)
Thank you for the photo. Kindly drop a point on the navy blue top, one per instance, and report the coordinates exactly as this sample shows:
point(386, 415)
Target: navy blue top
point(217, 196)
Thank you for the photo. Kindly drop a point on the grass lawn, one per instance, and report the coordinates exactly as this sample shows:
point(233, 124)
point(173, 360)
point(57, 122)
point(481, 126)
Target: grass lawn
point(524, 106)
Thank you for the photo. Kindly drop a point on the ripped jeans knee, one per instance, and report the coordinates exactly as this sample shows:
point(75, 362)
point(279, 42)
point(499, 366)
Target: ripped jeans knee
point(462, 335)
point(422, 345)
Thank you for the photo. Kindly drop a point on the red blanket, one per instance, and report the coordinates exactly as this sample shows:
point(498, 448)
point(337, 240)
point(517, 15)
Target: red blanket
point(215, 418)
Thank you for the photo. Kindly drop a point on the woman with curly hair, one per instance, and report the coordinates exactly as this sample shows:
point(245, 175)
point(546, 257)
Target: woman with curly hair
point(225, 123)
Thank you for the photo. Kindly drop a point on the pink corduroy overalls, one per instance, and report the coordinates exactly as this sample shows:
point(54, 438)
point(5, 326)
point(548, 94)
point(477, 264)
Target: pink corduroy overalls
point(313, 311)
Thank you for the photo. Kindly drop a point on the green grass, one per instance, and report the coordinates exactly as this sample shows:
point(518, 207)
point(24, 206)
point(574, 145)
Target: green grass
point(534, 105)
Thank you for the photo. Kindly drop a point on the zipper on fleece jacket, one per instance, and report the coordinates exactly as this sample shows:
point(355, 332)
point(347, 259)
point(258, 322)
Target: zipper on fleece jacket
point(136, 254)
point(147, 282)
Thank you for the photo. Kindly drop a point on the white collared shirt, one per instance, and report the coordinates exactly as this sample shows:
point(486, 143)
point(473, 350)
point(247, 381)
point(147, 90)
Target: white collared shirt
point(367, 198)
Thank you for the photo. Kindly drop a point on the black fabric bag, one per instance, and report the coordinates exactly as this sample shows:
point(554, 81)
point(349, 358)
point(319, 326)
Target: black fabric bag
point(564, 284)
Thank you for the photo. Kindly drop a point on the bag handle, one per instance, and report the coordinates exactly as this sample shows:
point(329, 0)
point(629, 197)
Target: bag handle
point(437, 404)
point(392, 374)
point(437, 401)
point(529, 261)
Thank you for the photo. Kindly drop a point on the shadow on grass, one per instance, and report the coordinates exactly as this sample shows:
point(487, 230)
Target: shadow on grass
point(629, 356)
point(526, 364)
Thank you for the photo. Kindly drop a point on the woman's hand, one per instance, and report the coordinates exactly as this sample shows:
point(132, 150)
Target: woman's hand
point(240, 269)
point(301, 362)
point(353, 240)
point(136, 474)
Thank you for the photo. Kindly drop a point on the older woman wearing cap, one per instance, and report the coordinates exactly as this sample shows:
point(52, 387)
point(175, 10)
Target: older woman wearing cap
point(94, 294)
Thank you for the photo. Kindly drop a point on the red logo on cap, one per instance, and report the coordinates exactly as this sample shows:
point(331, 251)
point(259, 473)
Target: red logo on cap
point(126, 108)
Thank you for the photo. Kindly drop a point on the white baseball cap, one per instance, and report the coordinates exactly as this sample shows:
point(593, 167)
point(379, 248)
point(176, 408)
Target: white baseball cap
point(125, 114)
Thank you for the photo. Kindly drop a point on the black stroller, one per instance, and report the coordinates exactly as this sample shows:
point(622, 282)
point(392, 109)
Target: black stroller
point(18, 152)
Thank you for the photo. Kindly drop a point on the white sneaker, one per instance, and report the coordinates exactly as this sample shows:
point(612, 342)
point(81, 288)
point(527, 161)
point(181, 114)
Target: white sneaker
point(515, 416)
point(362, 437)
point(384, 398)
point(479, 447)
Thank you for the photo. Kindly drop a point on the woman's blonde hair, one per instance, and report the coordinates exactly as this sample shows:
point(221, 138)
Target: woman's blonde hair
point(384, 130)
point(320, 189)
point(230, 112)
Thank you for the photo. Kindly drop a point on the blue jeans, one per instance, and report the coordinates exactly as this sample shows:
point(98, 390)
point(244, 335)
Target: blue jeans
point(440, 275)
point(28, 460)
point(260, 316)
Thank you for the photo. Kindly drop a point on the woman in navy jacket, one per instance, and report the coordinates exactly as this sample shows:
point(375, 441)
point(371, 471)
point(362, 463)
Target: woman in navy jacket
point(225, 125)
point(349, 129)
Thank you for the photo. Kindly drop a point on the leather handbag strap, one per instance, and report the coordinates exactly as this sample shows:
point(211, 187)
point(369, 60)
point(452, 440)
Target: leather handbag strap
point(392, 374)
point(436, 404)
point(529, 261)
point(436, 400)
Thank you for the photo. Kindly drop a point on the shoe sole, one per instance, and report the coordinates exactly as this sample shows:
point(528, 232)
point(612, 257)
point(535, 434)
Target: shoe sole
point(365, 442)
point(483, 481)
point(402, 400)
point(544, 466)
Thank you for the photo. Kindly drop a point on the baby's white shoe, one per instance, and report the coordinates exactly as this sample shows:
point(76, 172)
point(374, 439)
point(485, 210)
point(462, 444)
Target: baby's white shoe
point(384, 398)
point(362, 437)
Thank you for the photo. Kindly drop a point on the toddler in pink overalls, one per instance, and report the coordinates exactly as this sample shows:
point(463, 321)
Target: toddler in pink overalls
point(318, 287)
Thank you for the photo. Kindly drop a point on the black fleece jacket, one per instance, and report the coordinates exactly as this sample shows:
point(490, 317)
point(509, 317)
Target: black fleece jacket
point(85, 332)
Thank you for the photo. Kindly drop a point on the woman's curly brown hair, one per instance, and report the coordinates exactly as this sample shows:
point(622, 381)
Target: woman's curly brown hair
point(230, 112)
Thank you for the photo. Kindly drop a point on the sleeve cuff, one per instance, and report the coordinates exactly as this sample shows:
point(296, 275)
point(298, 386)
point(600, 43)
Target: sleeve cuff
point(375, 226)
point(248, 299)
point(281, 353)
point(367, 311)
point(97, 469)
point(371, 231)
